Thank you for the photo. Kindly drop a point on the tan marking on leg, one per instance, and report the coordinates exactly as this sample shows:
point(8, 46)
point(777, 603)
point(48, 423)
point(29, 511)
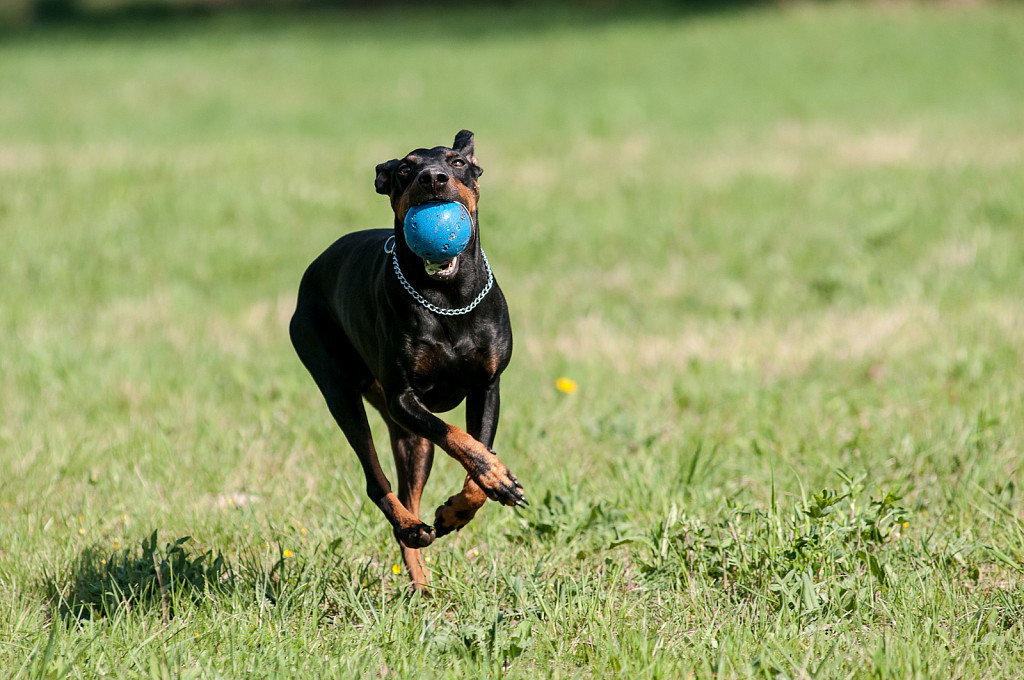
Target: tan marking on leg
point(480, 462)
point(458, 510)
point(472, 454)
point(397, 513)
point(409, 530)
point(417, 568)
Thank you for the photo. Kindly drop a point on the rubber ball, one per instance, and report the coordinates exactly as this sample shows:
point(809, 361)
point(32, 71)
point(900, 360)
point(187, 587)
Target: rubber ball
point(437, 231)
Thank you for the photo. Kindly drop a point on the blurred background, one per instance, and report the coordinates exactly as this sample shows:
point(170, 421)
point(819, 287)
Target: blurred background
point(21, 12)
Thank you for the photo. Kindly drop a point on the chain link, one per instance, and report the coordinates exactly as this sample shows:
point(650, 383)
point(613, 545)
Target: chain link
point(423, 301)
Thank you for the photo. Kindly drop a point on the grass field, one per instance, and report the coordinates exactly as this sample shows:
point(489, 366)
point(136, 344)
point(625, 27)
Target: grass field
point(780, 252)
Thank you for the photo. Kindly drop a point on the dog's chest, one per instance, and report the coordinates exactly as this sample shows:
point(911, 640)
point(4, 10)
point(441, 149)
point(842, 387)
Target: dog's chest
point(443, 372)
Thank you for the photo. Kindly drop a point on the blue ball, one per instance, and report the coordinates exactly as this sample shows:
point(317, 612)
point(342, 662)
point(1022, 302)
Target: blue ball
point(437, 232)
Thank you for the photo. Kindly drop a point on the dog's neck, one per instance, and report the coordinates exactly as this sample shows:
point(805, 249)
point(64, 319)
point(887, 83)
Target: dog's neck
point(461, 289)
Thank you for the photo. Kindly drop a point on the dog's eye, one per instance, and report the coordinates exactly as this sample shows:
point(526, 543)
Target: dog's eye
point(404, 169)
point(458, 163)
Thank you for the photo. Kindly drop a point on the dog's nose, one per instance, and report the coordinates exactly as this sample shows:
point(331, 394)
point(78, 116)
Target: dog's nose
point(433, 178)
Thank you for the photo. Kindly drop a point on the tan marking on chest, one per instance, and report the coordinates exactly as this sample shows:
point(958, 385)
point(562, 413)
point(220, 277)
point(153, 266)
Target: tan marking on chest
point(490, 361)
point(427, 362)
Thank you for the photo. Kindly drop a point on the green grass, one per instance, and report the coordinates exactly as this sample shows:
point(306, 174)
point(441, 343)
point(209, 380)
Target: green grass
point(780, 251)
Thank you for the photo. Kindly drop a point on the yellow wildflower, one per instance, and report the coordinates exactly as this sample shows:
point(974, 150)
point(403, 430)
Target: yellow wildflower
point(567, 385)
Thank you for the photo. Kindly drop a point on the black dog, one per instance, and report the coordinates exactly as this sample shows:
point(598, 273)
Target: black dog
point(372, 321)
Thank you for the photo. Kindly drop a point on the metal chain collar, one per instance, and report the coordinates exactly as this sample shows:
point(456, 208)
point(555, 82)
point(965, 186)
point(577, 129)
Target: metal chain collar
point(423, 301)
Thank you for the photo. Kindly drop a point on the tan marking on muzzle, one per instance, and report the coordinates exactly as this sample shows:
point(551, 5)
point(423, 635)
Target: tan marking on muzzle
point(469, 197)
point(400, 204)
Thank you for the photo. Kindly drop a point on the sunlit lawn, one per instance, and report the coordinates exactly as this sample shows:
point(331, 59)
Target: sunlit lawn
point(779, 251)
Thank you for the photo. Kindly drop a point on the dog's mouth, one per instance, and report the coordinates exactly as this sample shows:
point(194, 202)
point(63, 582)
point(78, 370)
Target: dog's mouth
point(442, 271)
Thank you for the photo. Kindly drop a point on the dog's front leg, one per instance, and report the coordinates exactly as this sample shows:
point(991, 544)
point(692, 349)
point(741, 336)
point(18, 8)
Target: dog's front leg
point(482, 409)
point(479, 461)
point(481, 423)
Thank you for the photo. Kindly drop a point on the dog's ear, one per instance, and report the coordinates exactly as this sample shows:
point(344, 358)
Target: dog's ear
point(383, 181)
point(464, 144)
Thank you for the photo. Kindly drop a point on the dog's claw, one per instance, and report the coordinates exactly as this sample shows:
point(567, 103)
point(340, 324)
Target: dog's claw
point(513, 496)
point(506, 495)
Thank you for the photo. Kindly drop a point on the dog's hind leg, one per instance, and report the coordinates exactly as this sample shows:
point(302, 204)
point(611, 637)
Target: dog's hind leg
point(414, 457)
point(340, 385)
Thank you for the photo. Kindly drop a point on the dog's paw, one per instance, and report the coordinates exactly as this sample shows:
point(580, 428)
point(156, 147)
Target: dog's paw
point(501, 485)
point(449, 518)
point(416, 536)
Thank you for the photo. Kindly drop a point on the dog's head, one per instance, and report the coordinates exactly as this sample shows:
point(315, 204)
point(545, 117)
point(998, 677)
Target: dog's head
point(438, 174)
